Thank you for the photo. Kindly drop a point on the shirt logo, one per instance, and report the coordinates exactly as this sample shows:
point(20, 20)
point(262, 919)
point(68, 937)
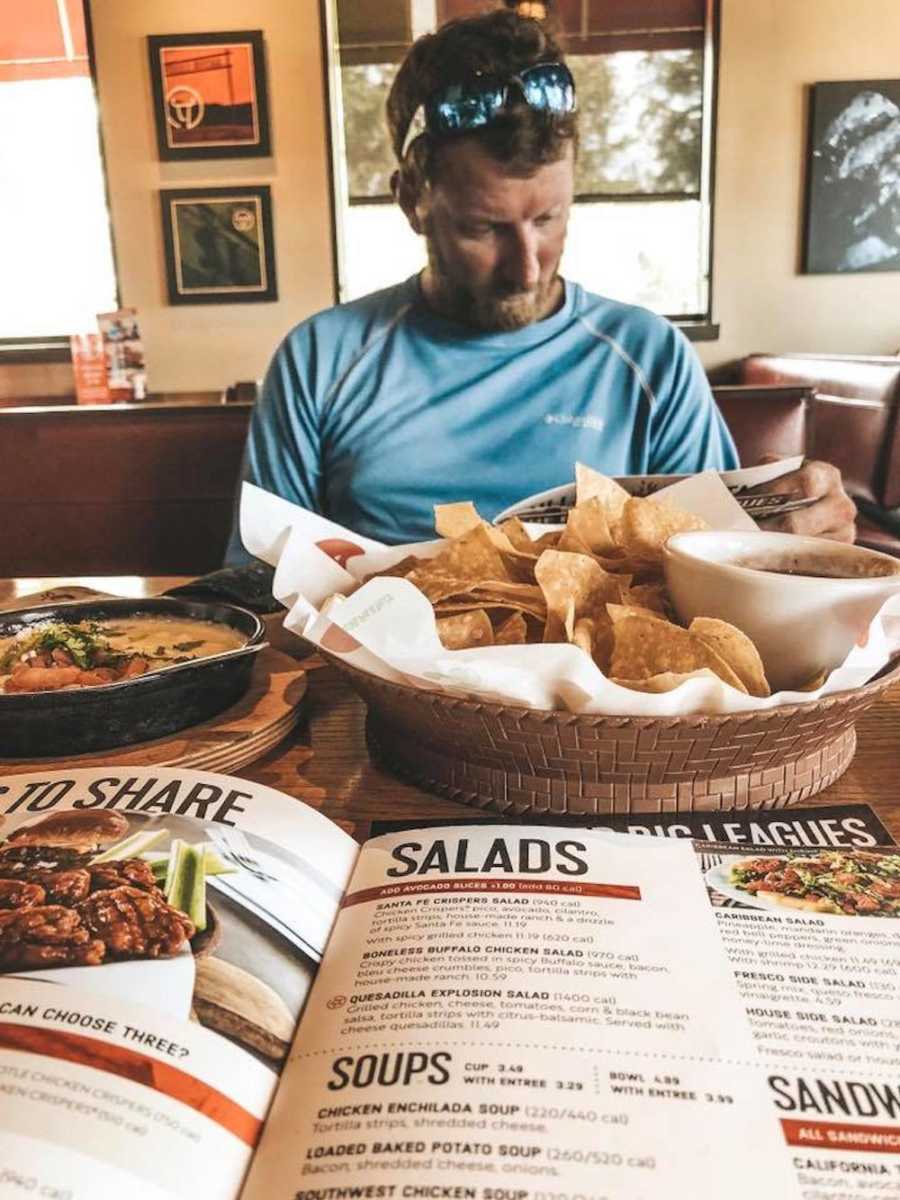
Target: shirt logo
point(596, 423)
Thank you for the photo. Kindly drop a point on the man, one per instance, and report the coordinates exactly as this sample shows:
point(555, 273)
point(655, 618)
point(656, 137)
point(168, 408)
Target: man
point(488, 376)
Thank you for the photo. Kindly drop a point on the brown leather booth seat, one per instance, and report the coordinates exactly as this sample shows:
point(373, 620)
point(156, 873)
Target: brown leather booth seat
point(843, 409)
point(854, 419)
point(765, 420)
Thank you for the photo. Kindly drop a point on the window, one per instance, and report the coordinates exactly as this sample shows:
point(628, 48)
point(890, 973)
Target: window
point(640, 227)
point(58, 269)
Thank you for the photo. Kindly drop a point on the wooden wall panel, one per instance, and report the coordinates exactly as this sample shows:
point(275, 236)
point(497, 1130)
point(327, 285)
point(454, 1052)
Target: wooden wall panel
point(118, 490)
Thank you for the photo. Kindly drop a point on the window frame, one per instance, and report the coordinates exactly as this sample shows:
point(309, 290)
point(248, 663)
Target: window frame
point(697, 326)
point(55, 348)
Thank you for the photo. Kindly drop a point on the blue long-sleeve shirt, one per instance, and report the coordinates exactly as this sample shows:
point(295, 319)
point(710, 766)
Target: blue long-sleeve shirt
point(374, 411)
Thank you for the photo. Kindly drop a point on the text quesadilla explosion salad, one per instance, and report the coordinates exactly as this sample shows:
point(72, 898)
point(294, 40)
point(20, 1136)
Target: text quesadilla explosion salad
point(597, 583)
point(853, 882)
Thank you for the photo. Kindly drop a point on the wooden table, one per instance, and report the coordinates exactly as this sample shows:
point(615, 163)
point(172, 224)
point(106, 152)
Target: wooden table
point(326, 764)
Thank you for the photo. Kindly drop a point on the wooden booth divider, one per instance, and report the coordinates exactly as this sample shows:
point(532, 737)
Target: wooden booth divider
point(119, 489)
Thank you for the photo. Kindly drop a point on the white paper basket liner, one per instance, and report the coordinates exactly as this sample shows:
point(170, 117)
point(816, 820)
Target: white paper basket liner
point(387, 626)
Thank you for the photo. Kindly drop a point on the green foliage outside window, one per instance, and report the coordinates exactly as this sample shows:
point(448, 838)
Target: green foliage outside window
point(640, 125)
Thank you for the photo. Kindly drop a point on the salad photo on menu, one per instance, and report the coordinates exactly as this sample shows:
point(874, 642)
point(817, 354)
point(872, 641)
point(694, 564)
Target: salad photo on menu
point(863, 883)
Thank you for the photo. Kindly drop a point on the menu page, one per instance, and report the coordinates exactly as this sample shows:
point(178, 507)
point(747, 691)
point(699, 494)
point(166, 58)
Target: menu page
point(814, 944)
point(159, 932)
point(519, 1012)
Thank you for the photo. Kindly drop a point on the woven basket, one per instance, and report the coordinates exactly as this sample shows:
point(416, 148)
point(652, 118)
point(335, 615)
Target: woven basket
point(523, 760)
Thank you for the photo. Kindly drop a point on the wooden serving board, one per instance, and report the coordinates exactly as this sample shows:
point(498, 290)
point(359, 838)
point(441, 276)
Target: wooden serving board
point(267, 713)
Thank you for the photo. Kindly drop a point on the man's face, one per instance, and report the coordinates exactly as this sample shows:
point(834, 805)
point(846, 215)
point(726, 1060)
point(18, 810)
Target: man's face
point(494, 240)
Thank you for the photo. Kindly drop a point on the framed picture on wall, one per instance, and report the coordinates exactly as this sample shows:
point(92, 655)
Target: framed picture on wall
point(852, 198)
point(218, 242)
point(209, 95)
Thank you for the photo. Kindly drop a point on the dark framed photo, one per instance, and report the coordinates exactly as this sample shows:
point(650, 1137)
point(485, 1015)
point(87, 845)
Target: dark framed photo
point(209, 95)
point(218, 244)
point(852, 198)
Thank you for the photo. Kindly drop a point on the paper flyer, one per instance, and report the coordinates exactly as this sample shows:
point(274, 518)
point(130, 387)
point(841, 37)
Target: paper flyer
point(126, 366)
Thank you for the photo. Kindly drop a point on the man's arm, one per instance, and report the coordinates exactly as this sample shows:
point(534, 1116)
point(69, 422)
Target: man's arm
point(282, 454)
point(687, 431)
point(690, 435)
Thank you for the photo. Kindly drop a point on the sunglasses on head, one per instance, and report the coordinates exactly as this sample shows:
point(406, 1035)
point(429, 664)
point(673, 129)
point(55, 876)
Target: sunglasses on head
point(463, 107)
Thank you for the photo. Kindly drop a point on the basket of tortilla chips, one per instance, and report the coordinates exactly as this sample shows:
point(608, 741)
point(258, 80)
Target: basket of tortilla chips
point(595, 588)
point(543, 670)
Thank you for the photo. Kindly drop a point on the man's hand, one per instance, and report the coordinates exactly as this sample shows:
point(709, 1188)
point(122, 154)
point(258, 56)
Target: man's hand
point(833, 515)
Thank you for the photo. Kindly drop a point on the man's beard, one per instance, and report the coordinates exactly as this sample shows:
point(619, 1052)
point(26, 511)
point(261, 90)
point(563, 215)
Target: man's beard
point(489, 311)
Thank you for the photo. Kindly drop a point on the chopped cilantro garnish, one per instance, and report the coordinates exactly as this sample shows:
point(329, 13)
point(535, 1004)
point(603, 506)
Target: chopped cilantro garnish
point(81, 642)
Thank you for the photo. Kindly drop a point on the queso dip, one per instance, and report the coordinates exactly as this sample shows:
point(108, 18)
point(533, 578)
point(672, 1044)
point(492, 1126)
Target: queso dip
point(52, 655)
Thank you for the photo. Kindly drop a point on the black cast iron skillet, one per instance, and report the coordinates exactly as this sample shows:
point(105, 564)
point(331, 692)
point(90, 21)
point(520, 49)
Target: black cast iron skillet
point(81, 720)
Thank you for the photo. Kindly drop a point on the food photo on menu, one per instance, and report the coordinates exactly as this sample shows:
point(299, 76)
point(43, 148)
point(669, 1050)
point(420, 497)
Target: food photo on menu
point(841, 883)
point(188, 907)
point(159, 931)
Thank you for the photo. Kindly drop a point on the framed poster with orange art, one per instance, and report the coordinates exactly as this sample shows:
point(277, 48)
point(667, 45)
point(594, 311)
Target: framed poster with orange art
point(209, 95)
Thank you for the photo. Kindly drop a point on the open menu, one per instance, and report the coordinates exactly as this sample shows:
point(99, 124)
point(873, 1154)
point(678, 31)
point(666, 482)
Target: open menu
point(208, 989)
point(746, 485)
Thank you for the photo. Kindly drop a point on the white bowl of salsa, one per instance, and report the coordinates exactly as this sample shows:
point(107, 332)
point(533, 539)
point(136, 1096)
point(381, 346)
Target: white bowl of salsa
point(803, 601)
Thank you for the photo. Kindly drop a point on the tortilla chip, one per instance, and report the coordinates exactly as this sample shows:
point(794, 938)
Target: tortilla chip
point(651, 573)
point(520, 566)
point(474, 556)
point(437, 587)
point(736, 648)
point(569, 618)
point(590, 484)
point(812, 685)
point(619, 612)
point(648, 524)
point(547, 541)
point(583, 635)
point(666, 681)
point(519, 537)
point(618, 564)
point(464, 630)
point(577, 578)
point(589, 522)
point(572, 542)
point(462, 562)
point(458, 604)
point(645, 646)
point(399, 570)
point(604, 640)
point(529, 593)
point(454, 520)
point(647, 595)
point(512, 632)
point(525, 596)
